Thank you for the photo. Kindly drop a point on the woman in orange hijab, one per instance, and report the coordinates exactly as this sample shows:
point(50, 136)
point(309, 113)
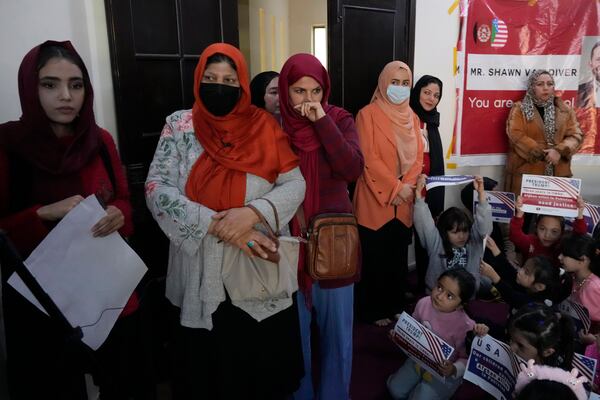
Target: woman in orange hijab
point(384, 194)
point(211, 163)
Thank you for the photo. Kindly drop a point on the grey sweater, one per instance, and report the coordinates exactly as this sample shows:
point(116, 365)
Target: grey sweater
point(194, 281)
point(432, 241)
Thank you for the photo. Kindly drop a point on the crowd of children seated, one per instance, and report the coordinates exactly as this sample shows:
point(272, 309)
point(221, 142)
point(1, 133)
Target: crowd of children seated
point(552, 263)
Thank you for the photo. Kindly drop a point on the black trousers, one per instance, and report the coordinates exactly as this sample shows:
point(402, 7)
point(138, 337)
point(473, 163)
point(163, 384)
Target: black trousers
point(380, 292)
point(239, 358)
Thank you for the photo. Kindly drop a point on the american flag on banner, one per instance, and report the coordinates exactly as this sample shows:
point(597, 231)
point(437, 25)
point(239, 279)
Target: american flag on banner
point(499, 33)
point(515, 360)
point(585, 365)
point(578, 312)
point(440, 350)
point(421, 344)
point(569, 186)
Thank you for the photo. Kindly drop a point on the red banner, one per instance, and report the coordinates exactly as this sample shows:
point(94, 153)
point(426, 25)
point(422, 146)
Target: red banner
point(501, 43)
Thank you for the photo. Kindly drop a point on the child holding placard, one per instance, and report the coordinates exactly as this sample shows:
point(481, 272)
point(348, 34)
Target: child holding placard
point(549, 230)
point(442, 312)
point(456, 242)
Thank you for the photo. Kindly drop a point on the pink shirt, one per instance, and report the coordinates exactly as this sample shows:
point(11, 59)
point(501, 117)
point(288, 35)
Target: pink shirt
point(588, 296)
point(452, 327)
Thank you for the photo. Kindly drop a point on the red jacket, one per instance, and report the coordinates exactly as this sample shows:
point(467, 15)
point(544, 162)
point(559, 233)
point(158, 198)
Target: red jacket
point(529, 245)
point(26, 230)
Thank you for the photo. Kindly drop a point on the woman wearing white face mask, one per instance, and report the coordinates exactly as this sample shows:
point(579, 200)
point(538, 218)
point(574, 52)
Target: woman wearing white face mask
point(384, 194)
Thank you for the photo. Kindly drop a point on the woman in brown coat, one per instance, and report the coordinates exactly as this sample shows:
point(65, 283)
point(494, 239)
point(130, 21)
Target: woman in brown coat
point(543, 134)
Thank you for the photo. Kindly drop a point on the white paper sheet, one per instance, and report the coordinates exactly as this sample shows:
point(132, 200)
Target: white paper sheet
point(89, 278)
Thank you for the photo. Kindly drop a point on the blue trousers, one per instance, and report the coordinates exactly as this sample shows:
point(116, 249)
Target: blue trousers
point(334, 316)
point(414, 383)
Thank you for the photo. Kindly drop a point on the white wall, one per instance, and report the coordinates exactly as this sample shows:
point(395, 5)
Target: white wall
point(434, 56)
point(27, 23)
point(303, 15)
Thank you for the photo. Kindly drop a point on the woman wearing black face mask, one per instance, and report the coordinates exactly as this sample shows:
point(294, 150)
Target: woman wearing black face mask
point(211, 164)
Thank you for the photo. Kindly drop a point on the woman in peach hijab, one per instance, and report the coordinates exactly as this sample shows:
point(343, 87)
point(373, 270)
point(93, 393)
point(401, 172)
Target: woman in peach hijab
point(384, 194)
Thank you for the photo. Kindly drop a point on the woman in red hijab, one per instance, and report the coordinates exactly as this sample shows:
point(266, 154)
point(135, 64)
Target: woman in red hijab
point(325, 139)
point(50, 159)
point(211, 163)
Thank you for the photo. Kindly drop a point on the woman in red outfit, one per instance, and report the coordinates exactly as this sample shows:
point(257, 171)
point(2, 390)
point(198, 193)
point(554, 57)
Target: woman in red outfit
point(50, 160)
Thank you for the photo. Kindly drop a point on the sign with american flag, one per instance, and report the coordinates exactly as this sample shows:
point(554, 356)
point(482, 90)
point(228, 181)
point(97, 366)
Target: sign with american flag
point(493, 367)
point(586, 367)
point(591, 215)
point(550, 195)
point(579, 314)
point(502, 204)
point(422, 345)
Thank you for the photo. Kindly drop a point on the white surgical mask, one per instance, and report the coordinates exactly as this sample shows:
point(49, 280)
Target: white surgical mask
point(398, 94)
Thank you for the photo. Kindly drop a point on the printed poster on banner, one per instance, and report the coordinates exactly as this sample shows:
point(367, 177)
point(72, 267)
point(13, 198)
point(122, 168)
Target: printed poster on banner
point(493, 367)
point(422, 345)
point(591, 215)
point(578, 313)
point(447, 180)
point(502, 204)
point(501, 44)
point(586, 367)
point(550, 195)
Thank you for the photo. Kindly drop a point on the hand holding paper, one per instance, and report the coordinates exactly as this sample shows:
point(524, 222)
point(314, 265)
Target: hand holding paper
point(447, 369)
point(89, 278)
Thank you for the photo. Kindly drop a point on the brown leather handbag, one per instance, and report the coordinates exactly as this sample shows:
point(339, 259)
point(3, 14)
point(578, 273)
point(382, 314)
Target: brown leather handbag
point(333, 245)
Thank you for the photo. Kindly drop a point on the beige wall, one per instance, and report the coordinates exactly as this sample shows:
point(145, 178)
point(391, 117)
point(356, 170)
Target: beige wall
point(269, 51)
point(303, 15)
point(27, 23)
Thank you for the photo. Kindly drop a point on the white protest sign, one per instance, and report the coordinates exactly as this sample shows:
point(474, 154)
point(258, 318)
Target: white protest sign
point(550, 195)
point(422, 345)
point(447, 180)
point(493, 367)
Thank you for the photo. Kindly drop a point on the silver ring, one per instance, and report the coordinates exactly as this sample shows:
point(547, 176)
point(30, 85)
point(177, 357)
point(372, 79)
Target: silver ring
point(250, 243)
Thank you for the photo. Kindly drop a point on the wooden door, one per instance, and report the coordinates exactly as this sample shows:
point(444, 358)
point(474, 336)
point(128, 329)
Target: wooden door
point(154, 48)
point(364, 35)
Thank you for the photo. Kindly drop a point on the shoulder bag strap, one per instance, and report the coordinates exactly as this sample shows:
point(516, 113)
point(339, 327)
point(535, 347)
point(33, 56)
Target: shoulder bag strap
point(263, 221)
point(275, 213)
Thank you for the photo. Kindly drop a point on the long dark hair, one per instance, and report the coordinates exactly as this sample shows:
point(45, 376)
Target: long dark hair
point(452, 218)
point(545, 273)
point(543, 389)
point(53, 51)
point(578, 246)
point(219, 58)
point(544, 329)
point(258, 87)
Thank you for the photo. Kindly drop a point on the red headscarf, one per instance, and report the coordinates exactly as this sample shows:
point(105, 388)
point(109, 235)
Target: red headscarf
point(31, 139)
point(247, 140)
point(304, 138)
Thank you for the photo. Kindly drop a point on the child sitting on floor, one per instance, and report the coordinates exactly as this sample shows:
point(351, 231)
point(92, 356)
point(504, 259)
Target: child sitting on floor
point(442, 312)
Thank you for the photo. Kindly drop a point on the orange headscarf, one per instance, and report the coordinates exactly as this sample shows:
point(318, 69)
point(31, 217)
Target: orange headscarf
point(401, 115)
point(247, 140)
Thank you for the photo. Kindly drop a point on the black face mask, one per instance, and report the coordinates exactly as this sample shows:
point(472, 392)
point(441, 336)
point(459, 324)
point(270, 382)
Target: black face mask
point(219, 99)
